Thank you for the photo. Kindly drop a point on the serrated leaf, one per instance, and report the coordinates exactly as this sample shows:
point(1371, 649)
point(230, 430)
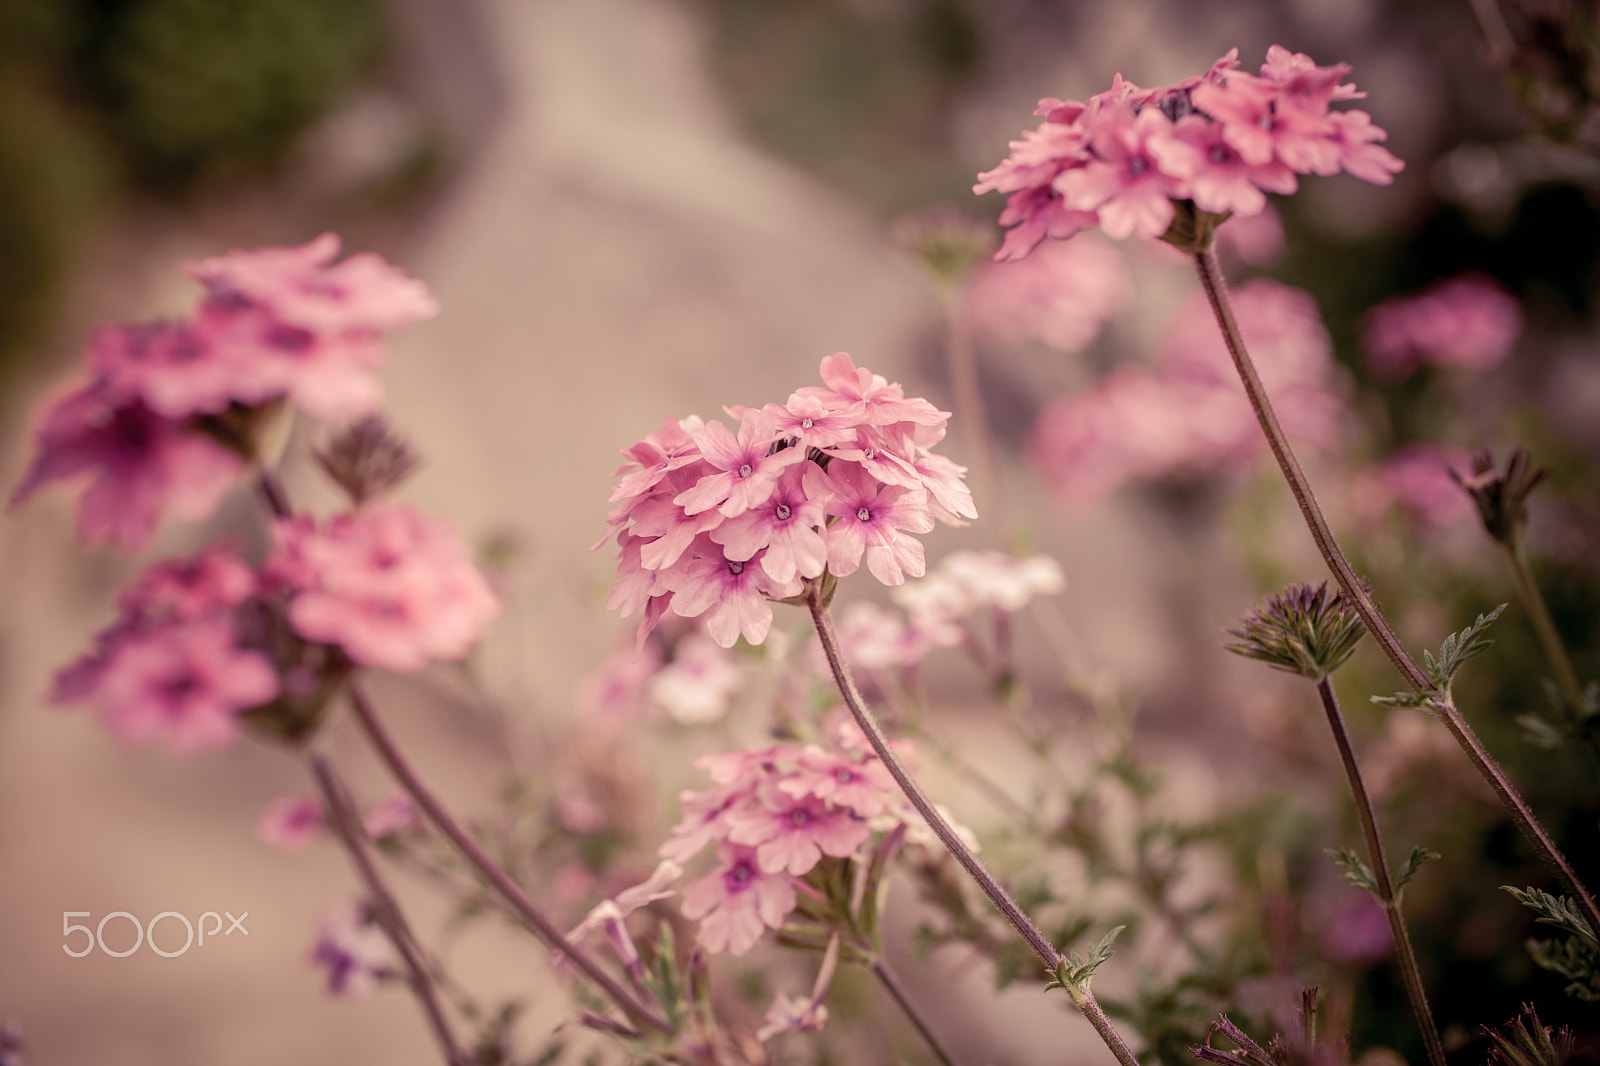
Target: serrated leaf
point(1402, 699)
point(1541, 732)
point(1409, 868)
point(1573, 959)
point(1074, 972)
point(1458, 648)
point(1558, 911)
point(1356, 872)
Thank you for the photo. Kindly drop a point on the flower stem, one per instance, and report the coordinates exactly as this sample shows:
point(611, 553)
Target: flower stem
point(1543, 625)
point(497, 877)
point(969, 406)
point(1013, 914)
point(887, 979)
point(1410, 974)
point(341, 815)
point(1441, 702)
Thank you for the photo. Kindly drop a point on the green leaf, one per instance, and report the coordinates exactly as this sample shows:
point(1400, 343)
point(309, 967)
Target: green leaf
point(1409, 868)
point(1074, 972)
point(1403, 699)
point(1460, 647)
point(1558, 911)
point(1356, 872)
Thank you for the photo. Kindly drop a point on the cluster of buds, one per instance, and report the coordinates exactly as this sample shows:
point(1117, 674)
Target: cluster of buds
point(718, 523)
point(1221, 140)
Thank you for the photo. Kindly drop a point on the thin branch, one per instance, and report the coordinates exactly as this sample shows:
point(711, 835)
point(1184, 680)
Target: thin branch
point(1441, 702)
point(345, 822)
point(1543, 625)
point(1013, 914)
point(890, 983)
point(1410, 973)
point(498, 878)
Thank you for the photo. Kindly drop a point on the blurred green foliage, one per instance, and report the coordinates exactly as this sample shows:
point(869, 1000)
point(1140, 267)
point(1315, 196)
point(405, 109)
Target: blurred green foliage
point(99, 98)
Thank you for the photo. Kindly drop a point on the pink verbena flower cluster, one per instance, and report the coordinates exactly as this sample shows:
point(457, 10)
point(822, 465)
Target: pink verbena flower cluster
point(1187, 416)
point(772, 815)
point(717, 523)
point(156, 426)
point(391, 588)
point(1468, 321)
point(1221, 139)
point(172, 668)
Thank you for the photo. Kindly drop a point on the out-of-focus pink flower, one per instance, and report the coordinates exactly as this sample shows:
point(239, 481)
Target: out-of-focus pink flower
point(1223, 139)
point(304, 287)
point(736, 902)
point(182, 685)
point(1357, 931)
point(1191, 416)
point(393, 589)
point(390, 816)
point(793, 832)
point(290, 822)
point(992, 579)
point(1468, 321)
point(140, 465)
point(1417, 478)
point(617, 688)
point(696, 685)
point(351, 949)
point(184, 589)
point(1255, 239)
point(1061, 294)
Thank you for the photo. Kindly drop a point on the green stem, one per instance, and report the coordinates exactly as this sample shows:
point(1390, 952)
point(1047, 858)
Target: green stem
point(892, 985)
point(1543, 625)
point(1441, 702)
point(1013, 914)
point(497, 877)
point(1410, 973)
point(347, 826)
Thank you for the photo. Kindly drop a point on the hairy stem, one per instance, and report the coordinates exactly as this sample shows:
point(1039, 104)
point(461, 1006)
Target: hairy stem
point(1410, 974)
point(498, 878)
point(892, 985)
point(1216, 292)
point(1013, 914)
point(342, 816)
point(1543, 625)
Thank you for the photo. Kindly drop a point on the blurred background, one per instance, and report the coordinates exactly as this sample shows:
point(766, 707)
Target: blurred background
point(638, 208)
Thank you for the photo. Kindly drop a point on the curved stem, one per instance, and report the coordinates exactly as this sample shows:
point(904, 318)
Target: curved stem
point(892, 985)
point(1013, 914)
point(497, 877)
point(1216, 292)
point(1407, 957)
point(1543, 625)
point(342, 816)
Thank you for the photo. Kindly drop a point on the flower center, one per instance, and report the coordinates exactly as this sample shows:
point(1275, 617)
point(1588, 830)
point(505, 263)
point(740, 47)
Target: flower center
point(291, 339)
point(1137, 166)
point(1219, 154)
point(745, 470)
point(783, 512)
point(735, 567)
point(844, 776)
point(738, 875)
point(863, 514)
point(799, 817)
point(806, 423)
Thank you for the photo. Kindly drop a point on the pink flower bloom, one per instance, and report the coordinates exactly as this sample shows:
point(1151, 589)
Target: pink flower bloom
point(182, 685)
point(696, 685)
point(391, 588)
point(1417, 478)
point(870, 520)
point(1061, 294)
point(737, 902)
point(668, 448)
point(873, 638)
point(302, 286)
point(793, 832)
point(1255, 239)
point(812, 422)
point(731, 593)
point(390, 816)
point(883, 402)
point(743, 470)
point(613, 692)
point(1223, 180)
point(172, 368)
point(1138, 170)
point(215, 580)
point(291, 821)
point(995, 580)
point(352, 949)
point(859, 783)
point(140, 464)
point(1468, 321)
point(792, 1014)
point(332, 377)
point(1359, 151)
point(788, 525)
